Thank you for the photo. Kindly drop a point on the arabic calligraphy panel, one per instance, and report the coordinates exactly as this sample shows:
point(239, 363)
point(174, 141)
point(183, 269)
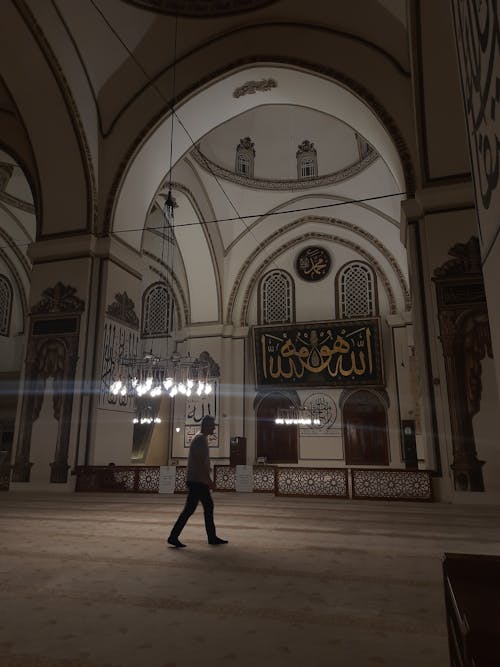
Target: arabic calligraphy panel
point(324, 408)
point(340, 353)
point(198, 407)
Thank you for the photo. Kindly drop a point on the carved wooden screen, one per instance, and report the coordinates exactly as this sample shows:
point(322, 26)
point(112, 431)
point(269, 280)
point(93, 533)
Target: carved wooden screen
point(278, 443)
point(365, 430)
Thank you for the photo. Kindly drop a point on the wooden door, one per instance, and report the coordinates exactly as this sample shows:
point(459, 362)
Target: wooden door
point(365, 430)
point(278, 443)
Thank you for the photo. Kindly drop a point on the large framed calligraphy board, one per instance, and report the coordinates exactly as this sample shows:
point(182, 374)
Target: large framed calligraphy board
point(341, 353)
point(198, 407)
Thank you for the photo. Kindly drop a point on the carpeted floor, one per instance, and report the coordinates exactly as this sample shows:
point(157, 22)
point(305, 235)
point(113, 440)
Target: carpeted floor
point(86, 580)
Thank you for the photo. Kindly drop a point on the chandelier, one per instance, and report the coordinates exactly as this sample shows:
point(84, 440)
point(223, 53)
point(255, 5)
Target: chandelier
point(296, 417)
point(153, 376)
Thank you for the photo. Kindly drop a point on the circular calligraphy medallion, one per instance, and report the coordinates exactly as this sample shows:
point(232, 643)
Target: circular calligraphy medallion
point(313, 263)
point(322, 407)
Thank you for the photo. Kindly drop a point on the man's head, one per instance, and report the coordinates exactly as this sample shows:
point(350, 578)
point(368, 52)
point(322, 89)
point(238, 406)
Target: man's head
point(208, 425)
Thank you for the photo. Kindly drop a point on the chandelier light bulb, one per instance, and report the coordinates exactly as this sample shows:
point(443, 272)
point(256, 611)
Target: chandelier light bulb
point(115, 387)
point(173, 391)
point(168, 383)
point(190, 384)
point(208, 388)
point(182, 388)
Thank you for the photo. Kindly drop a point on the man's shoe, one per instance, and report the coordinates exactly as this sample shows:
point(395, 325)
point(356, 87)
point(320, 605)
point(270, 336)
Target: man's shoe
point(174, 542)
point(217, 540)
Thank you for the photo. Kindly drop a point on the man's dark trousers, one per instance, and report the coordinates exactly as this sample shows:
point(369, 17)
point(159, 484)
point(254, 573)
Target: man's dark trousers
point(197, 492)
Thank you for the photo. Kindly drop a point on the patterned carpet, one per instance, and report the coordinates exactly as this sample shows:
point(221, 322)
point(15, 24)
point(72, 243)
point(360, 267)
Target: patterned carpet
point(86, 580)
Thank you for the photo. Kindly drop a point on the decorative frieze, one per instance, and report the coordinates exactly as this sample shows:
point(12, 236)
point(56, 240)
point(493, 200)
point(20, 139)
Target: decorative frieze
point(252, 87)
point(123, 310)
point(391, 484)
point(58, 299)
point(284, 184)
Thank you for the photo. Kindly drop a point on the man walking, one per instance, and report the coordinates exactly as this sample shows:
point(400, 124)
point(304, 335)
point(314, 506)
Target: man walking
point(198, 483)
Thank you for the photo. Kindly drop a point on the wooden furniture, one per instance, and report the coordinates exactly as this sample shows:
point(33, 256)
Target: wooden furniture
point(472, 598)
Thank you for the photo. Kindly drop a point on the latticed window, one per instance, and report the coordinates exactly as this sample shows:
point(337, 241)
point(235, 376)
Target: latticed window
point(157, 311)
point(5, 305)
point(243, 165)
point(276, 298)
point(245, 157)
point(357, 290)
point(307, 167)
point(307, 160)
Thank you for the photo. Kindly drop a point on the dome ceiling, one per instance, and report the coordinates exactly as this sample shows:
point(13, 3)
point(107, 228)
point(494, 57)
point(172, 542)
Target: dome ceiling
point(276, 132)
point(200, 8)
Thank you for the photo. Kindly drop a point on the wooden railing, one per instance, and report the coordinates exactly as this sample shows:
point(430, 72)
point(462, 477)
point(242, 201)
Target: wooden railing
point(472, 594)
point(373, 484)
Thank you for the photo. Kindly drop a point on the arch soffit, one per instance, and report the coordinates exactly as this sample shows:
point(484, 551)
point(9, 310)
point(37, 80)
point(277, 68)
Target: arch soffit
point(289, 202)
point(262, 394)
point(77, 174)
point(167, 277)
point(19, 286)
point(189, 270)
point(221, 41)
point(312, 87)
point(372, 240)
point(380, 394)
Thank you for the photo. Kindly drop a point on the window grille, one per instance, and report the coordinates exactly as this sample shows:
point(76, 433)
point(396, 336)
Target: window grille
point(5, 305)
point(245, 157)
point(243, 165)
point(276, 298)
point(307, 160)
point(158, 311)
point(357, 290)
point(307, 168)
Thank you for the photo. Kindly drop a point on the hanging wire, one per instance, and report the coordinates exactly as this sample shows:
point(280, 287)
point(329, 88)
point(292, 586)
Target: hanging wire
point(170, 106)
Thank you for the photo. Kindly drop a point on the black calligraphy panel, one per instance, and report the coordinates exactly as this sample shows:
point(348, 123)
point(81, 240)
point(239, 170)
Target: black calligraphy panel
point(341, 353)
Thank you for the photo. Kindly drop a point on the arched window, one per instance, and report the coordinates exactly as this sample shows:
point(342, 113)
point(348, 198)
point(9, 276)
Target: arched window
point(356, 290)
point(157, 311)
point(5, 305)
point(276, 298)
point(307, 160)
point(245, 156)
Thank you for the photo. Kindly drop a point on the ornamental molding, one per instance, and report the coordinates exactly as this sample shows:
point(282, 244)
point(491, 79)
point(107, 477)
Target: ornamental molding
point(247, 145)
point(15, 202)
point(123, 310)
point(306, 148)
point(284, 184)
point(6, 171)
point(466, 260)
point(58, 299)
point(251, 87)
point(200, 8)
point(213, 366)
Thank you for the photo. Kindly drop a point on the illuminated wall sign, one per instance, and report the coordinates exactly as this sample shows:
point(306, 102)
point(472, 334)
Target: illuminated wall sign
point(342, 353)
